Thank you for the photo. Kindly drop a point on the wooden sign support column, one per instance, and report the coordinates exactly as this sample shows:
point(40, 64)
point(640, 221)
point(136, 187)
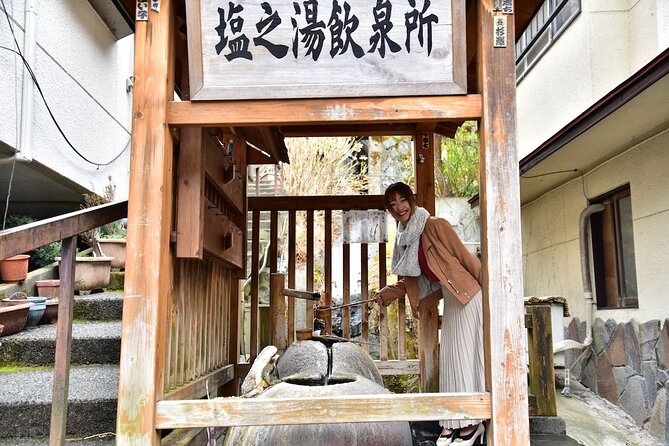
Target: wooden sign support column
point(428, 325)
point(149, 271)
point(504, 329)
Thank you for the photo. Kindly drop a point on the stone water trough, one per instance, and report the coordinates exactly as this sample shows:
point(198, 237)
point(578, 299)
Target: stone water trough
point(317, 369)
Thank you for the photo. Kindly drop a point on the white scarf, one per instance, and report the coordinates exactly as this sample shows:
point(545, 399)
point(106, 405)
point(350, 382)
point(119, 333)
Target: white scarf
point(405, 253)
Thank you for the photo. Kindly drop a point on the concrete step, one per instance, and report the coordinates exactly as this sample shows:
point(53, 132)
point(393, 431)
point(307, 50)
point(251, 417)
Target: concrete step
point(92, 343)
point(99, 306)
point(25, 401)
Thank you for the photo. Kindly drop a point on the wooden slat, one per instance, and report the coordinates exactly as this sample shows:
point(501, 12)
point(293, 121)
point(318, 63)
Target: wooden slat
point(277, 304)
point(314, 410)
point(324, 111)
point(540, 352)
point(198, 388)
point(148, 266)
point(364, 294)
point(299, 294)
point(346, 298)
point(310, 266)
point(504, 331)
point(327, 266)
point(190, 202)
point(273, 241)
point(24, 238)
point(316, 203)
point(383, 310)
point(61, 373)
point(396, 367)
point(428, 346)
point(292, 223)
point(401, 329)
point(255, 282)
point(397, 129)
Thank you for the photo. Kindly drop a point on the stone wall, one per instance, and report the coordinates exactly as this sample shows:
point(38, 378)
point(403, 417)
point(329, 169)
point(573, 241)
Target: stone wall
point(628, 364)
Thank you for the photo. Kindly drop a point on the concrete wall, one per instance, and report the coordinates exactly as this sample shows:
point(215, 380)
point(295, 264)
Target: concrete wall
point(551, 255)
point(603, 46)
point(82, 70)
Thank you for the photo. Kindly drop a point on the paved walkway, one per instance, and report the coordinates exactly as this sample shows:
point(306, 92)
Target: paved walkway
point(594, 421)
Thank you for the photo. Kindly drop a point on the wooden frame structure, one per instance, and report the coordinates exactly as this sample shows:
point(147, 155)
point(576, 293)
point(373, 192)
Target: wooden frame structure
point(160, 382)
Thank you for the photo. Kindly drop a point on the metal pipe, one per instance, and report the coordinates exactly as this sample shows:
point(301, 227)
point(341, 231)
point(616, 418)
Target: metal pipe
point(25, 146)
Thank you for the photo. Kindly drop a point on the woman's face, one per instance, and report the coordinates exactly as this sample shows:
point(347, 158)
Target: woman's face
point(400, 208)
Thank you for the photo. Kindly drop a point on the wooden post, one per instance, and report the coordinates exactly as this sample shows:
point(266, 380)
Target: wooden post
point(148, 266)
point(277, 318)
point(61, 372)
point(503, 323)
point(327, 266)
point(428, 332)
point(540, 351)
point(236, 309)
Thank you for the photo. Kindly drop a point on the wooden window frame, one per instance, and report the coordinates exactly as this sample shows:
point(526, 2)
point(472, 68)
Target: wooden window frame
point(608, 257)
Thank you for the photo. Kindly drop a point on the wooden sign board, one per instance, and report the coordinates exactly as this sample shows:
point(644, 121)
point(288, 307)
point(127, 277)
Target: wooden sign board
point(264, 49)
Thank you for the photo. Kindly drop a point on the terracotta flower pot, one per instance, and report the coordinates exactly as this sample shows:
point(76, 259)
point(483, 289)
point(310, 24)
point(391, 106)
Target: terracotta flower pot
point(114, 248)
point(91, 273)
point(48, 288)
point(14, 269)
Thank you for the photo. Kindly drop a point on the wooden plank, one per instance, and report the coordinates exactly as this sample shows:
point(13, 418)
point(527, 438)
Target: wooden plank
point(234, 334)
point(504, 331)
point(61, 372)
point(383, 310)
point(148, 266)
point(190, 192)
point(198, 389)
point(401, 329)
point(310, 266)
point(316, 203)
point(364, 294)
point(292, 224)
point(327, 266)
point(314, 410)
point(424, 169)
point(299, 294)
point(428, 347)
point(24, 238)
point(346, 297)
point(397, 129)
point(396, 367)
point(277, 304)
point(540, 351)
point(255, 284)
point(307, 112)
point(273, 241)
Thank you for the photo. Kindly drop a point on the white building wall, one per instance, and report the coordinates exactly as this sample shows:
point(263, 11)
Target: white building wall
point(82, 71)
point(603, 46)
point(551, 254)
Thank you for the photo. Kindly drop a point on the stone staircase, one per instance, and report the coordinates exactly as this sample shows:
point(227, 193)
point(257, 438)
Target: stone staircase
point(26, 376)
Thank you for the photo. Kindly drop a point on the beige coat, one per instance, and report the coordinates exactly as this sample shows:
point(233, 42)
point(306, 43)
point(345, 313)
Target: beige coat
point(458, 270)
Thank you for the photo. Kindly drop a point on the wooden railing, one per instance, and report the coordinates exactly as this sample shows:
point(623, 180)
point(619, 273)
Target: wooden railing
point(318, 212)
point(33, 235)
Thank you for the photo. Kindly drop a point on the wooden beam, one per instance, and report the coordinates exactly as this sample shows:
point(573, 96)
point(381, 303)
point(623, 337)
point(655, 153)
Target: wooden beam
point(316, 203)
point(502, 275)
point(324, 111)
point(33, 235)
point(61, 372)
point(314, 410)
point(277, 305)
point(148, 265)
point(198, 388)
point(396, 367)
point(540, 352)
point(397, 129)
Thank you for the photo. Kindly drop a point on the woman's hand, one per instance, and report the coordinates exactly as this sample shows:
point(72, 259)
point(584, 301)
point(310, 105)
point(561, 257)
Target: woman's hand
point(378, 298)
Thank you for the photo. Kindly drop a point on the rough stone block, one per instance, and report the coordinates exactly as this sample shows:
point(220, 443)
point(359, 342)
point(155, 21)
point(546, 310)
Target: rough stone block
point(622, 375)
point(600, 336)
point(653, 384)
point(616, 348)
point(662, 376)
point(632, 354)
point(572, 330)
point(611, 325)
point(649, 332)
point(348, 358)
point(635, 400)
point(662, 347)
point(589, 374)
point(657, 424)
point(305, 357)
point(606, 383)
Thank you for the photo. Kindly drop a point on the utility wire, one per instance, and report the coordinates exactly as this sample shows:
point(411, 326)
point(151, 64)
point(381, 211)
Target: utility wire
point(562, 171)
point(39, 89)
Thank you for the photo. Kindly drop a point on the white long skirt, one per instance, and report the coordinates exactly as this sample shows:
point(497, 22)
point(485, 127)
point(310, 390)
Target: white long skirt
point(461, 351)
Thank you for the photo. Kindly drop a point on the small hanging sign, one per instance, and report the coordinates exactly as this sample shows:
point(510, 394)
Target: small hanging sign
point(499, 40)
point(155, 5)
point(497, 5)
point(364, 226)
point(142, 14)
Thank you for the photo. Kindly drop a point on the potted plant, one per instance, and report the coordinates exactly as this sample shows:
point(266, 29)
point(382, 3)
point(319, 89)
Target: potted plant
point(111, 242)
